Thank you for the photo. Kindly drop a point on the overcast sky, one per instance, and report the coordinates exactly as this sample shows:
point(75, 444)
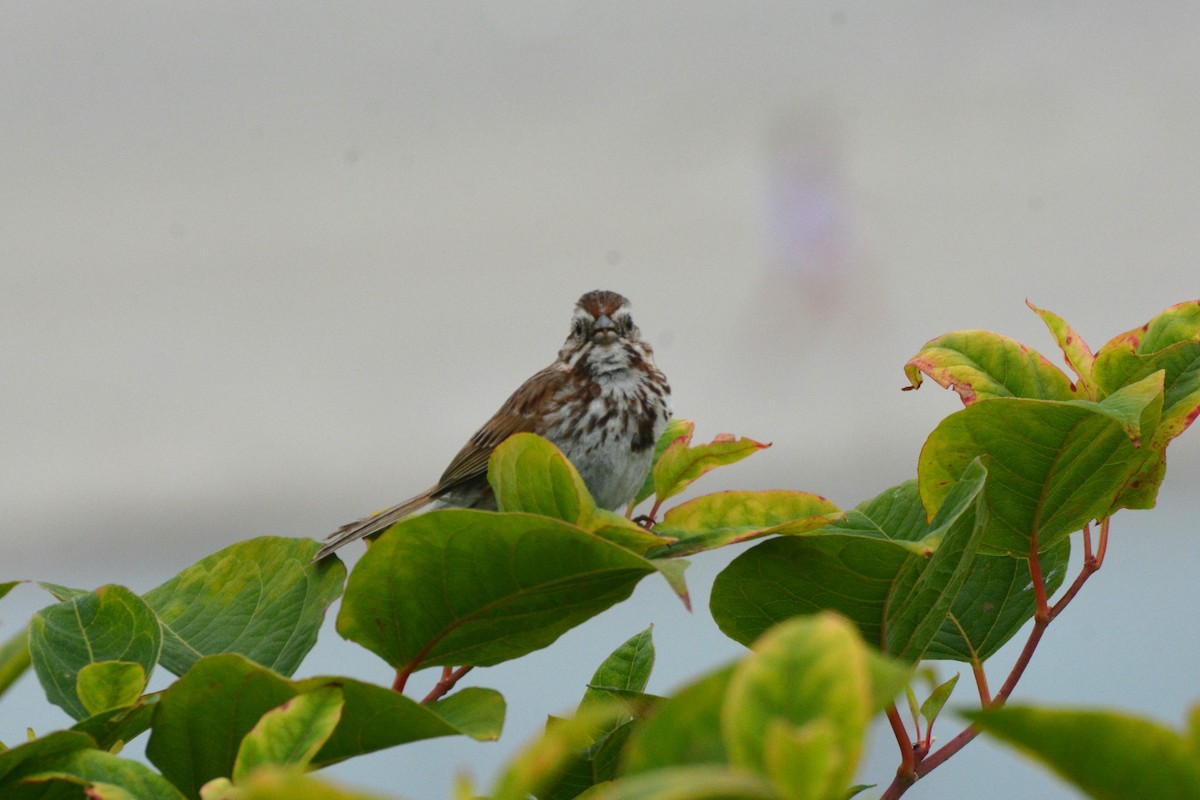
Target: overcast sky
point(264, 267)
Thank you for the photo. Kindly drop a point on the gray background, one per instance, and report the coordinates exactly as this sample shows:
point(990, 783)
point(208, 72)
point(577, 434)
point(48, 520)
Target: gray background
point(265, 267)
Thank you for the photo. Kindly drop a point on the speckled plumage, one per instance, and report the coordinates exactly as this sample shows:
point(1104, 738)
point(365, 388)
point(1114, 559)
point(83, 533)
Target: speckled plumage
point(603, 403)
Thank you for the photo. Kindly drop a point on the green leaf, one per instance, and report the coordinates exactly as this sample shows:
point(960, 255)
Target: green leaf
point(292, 733)
point(14, 659)
point(1074, 349)
point(7, 586)
point(1054, 466)
point(681, 464)
point(39, 755)
point(281, 783)
point(542, 764)
point(109, 624)
point(61, 592)
point(202, 718)
point(529, 474)
point(472, 587)
point(261, 598)
point(375, 718)
point(1110, 756)
point(913, 708)
point(721, 518)
point(106, 685)
point(1193, 731)
point(802, 762)
point(676, 429)
point(1170, 342)
point(626, 669)
point(883, 567)
point(110, 777)
point(119, 725)
point(689, 783)
point(926, 586)
point(996, 599)
point(981, 365)
point(936, 701)
point(622, 675)
point(473, 711)
point(806, 670)
point(683, 730)
point(1130, 356)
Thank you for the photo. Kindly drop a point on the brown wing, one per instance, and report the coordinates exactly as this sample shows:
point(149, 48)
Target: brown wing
point(519, 414)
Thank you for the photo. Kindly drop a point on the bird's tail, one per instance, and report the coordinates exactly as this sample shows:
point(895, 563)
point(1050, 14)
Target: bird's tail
point(375, 523)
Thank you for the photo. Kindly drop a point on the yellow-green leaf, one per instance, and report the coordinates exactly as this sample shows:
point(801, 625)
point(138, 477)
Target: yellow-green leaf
point(105, 685)
point(980, 365)
point(681, 463)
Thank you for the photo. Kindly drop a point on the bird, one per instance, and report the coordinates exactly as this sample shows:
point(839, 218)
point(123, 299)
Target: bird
point(603, 402)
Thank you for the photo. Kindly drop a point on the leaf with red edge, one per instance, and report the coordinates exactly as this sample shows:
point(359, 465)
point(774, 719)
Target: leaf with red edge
point(676, 429)
point(715, 520)
point(980, 365)
point(1170, 342)
point(1052, 466)
point(681, 463)
point(1074, 349)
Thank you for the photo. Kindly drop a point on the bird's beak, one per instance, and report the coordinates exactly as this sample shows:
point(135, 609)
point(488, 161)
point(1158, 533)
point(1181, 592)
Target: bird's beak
point(604, 330)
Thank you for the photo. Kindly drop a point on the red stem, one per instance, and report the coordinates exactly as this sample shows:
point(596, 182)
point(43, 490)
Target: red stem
point(1102, 548)
point(402, 678)
point(449, 678)
point(1091, 565)
point(908, 759)
point(981, 681)
point(1043, 615)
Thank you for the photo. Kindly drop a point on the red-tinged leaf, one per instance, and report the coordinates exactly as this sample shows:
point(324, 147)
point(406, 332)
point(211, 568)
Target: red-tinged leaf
point(676, 429)
point(980, 365)
point(722, 518)
point(1170, 342)
point(1074, 349)
point(681, 463)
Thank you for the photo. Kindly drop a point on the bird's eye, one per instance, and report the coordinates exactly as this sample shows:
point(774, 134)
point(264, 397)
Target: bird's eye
point(626, 324)
point(577, 328)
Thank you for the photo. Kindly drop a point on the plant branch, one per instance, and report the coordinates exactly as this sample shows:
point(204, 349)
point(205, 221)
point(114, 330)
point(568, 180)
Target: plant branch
point(1042, 607)
point(1091, 565)
point(908, 760)
point(1042, 617)
point(1102, 548)
point(981, 681)
point(450, 676)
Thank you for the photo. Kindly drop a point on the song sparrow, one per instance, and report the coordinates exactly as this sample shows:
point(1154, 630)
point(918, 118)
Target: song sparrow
point(603, 403)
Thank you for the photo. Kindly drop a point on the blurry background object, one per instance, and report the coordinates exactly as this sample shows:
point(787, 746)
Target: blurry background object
point(246, 250)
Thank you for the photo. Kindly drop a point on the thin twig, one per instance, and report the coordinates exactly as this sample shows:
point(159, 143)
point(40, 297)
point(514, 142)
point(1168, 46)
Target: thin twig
point(1042, 607)
point(1043, 614)
point(908, 761)
point(1102, 548)
point(449, 678)
point(1091, 565)
point(981, 681)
